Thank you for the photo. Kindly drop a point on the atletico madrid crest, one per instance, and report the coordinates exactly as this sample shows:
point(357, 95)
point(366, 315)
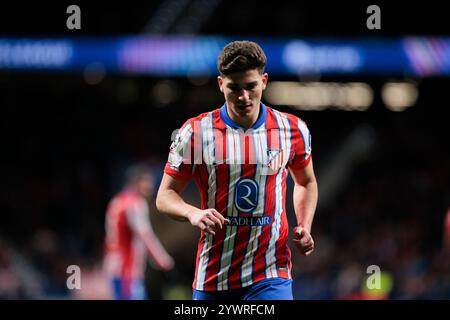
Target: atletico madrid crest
point(276, 159)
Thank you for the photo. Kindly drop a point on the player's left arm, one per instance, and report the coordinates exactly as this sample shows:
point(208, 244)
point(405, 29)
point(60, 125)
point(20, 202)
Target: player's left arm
point(138, 219)
point(305, 203)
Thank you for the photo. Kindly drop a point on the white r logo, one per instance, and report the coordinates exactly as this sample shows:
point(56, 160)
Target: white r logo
point(246, 195)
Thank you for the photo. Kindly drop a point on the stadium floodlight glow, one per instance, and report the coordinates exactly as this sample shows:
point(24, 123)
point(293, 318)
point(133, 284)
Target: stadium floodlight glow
point(351, 96)
point(397, 96)
point(165, 92)
point(183, 55)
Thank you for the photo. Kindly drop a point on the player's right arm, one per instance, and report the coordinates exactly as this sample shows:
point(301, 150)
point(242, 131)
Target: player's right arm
point(137, 214)
point(170, 202)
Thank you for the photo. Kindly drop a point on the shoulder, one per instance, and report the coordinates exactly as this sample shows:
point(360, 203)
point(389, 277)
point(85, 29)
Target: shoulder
point(295, 122)
point(191, 122)
point(136, 202)
point(122, 200)
point(130, 196)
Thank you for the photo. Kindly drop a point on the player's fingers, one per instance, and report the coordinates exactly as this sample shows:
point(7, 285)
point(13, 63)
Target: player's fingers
point(308, 246)
point(202, 225)
point(206, 228)
point(206, 225)
point(298, 244)
point(211, 227)
point(210, 223)
point(219, 216)
point(306, 241)
point(304, 250)
point(303, 247)
point(210, 231)
point(215, 220)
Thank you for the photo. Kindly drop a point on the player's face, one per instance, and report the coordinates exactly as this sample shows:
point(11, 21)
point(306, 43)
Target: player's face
point(145, 185)
point(243, 92)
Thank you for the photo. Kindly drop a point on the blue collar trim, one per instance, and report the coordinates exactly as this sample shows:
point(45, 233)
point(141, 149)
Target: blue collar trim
point(261, 119)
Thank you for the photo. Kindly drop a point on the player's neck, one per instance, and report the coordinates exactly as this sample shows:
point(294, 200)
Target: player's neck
point(245, 122)
point(130, 188)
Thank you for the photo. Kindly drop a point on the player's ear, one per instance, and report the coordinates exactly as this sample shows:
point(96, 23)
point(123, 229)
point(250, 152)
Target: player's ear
point(220, 82)
point(265, 77)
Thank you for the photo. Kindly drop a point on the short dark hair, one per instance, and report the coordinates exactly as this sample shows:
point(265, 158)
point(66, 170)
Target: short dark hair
point(238, 56)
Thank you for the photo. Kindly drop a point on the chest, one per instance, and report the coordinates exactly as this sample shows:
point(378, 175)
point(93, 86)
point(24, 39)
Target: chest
point(234, 151)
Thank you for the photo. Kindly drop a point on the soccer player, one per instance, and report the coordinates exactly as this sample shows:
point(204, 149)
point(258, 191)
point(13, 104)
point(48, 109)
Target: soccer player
point(239, 156)
point(130, 237)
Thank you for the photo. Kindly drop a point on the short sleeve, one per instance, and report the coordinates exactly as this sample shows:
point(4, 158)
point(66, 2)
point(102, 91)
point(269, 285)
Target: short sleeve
point(301, 145)
point(180, 162)
point(138, 215)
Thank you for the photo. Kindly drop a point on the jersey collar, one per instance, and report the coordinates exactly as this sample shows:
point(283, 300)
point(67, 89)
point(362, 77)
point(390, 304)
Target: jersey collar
point(261, 118)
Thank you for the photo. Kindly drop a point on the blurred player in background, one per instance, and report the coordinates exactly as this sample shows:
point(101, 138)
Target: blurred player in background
point(446, 242)
point(239, 155)
point(130, 237)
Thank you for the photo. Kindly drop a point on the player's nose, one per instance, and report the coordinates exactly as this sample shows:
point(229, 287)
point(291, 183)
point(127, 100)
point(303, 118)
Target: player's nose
point(244, 95)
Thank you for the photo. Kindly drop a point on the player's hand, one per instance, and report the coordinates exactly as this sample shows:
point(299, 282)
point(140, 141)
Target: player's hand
point(303, 240)
point(208, 220)
point(167, 263)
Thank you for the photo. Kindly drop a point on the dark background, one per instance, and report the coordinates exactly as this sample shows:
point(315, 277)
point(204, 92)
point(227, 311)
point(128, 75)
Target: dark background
point(66, 143)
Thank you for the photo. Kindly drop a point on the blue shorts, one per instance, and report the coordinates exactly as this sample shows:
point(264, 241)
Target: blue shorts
point(129, 289)
point(268, 289)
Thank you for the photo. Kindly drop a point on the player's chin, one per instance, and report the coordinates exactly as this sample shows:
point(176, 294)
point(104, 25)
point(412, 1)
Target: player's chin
point(244, 112)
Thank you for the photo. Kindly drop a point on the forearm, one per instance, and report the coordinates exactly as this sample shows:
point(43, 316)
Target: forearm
point(170, 202)
point(144, 231)
point(155, 249)
point(305, 203)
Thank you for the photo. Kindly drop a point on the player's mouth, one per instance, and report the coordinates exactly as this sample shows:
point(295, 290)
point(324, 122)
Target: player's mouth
point(243, 107)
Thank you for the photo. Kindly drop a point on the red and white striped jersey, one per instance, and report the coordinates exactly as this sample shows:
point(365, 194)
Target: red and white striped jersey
point(129, 237)
point(242, 174)
point(447, 225)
